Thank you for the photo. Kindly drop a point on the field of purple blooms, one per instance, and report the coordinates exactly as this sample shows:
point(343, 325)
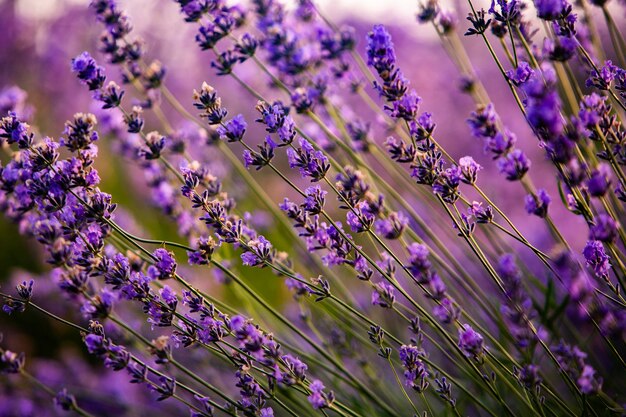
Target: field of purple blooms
point(257, 208)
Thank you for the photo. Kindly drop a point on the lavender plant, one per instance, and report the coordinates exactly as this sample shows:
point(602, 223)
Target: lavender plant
point(320, 248)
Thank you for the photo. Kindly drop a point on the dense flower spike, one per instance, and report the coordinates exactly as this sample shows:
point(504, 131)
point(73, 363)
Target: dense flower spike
point(88, 71)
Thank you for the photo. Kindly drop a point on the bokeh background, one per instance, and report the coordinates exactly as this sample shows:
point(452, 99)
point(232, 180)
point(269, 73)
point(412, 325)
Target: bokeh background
point(39, 38)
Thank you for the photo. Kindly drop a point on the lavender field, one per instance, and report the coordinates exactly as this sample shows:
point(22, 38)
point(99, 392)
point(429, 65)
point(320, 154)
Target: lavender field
point(291, 208)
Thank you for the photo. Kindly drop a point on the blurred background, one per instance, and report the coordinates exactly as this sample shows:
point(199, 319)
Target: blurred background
point(40, 37)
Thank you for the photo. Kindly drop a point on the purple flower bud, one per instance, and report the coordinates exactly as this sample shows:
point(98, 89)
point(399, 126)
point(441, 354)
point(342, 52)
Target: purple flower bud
point(110, 96)
point(560, 50)
point(599, 181)
point(482, 215)
point(604, 229)
point(538, 204)
point(592, 108)
point(311, 163)
point(501, 143)
point(405, 107)
point(11, 362)
point(470, 342)
point(164, 266)
point(318, 398)
point(446, 312)
point(360, 219)
point(597, 258)
point(314, 200)
point(392, 226)
point(482, 122)
point(587, 381)
point(15, 131)
point(383, 295)
point(258, 252)
point(415, 372)
point(447, 184)
point(514, 165)
point(521, 74)
point(133, 120)
point(88, 71)
point(234, 129)
point(301, 100)
point(380, 51)
point(549, 9)
point(469, 169)
point(419, 265)
point(64, 400)
point(603, 79)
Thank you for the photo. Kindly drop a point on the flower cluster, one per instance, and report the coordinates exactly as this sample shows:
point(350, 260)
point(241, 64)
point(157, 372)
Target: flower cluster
point(346, 274)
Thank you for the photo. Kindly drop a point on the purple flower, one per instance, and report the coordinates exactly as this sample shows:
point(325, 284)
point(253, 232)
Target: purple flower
point(258, 252)
point(96, 344)
point(415, 373)
point(168, 295)
point(560, 50)
point(88, 71)
point(482, 122)
point(318, 398)
point(133, 120)
point(406, 106)
point(587, 381)
point(15, 131)
point(383, 295)
point(543, 105)
point(208, 101)
point(599, 181)
point(501, 143)
point(521, 74)
point(234, 129)
point(470, 342)
point(381, 56)
point(100, 306)
point(380, 51)
point(514, 165)
point(164, 266)
point(209, 34)
point(447, 184)
point(360, 219)
point(261, 158)
point(11, 362)
point(482, 215)
point(446, 312)
point(247, 45)
point(469, 169)
point(311, 163)
point(597, 258)
point(302, 100)
point(573, 361)
point(25, 292)
point(202, 255)
point(593, 108)
point(392, 226)
point(296, 370)
point(64, 400)
point(604, 229)
point(419, 265)
point(603, 79)
point(314, 200)
point(80, 133)
point(549, 9)
point(538, 204)
point(528, 376)
point(110, 96)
